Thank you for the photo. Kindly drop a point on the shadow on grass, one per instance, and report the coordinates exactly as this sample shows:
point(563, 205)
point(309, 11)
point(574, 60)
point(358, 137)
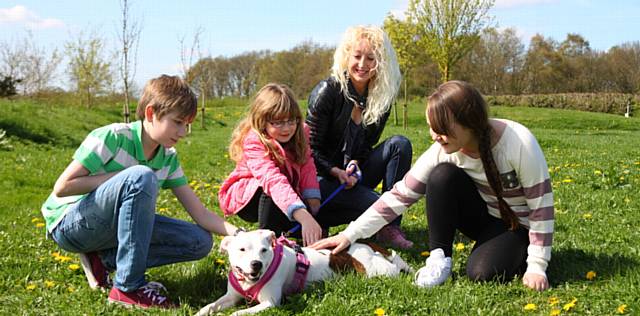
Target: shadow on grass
point(569, 265)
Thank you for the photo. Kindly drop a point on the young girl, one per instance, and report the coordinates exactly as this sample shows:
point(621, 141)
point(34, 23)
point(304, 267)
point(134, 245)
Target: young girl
point(274, 168)
point(486, 178)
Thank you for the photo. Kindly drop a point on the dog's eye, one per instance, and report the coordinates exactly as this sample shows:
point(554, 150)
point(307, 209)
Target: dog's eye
point(263, 250)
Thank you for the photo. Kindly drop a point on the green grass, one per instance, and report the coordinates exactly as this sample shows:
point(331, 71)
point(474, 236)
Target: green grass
point(594, 160)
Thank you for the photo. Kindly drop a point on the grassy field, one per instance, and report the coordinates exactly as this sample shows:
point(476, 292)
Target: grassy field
point(594, 161)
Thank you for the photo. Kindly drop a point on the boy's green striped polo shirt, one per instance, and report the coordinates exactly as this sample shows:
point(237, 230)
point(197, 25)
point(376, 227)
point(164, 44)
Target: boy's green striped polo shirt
point(113, 148)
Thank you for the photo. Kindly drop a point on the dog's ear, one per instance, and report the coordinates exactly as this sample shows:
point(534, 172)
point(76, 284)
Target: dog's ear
point(224, 244)
point(268, 235)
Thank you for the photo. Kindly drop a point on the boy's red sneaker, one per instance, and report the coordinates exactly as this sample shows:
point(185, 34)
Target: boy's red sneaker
point(146, 296)
point(97, 275)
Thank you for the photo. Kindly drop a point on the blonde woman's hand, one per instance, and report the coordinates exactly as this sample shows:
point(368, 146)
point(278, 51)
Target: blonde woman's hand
point(337, 242)
point(535, 281)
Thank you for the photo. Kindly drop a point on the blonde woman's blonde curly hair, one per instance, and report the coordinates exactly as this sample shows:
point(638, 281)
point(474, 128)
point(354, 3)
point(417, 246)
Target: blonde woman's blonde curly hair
point(384, 85)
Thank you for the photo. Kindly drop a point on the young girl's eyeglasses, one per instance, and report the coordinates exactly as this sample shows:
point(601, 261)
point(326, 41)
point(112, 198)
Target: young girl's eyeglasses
point(282, 124)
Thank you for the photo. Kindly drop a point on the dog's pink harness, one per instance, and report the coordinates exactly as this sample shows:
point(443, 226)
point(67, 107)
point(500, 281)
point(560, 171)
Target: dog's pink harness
point(299, 279)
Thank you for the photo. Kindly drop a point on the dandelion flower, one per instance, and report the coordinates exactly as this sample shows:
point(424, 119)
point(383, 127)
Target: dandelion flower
point(71, 289)
point(570, 305)
point(621, 309)
point(459, 246)
point(413, 217)
point(49, 283)
point(74, 267)
point(36, 219)
point(591, 275)
point(32, 287)
point(555, 312)
point(597, 172)
point(586, 216)
point(553, 301)
point(567, 180)
point(379, 312)
point(425, 253)
point(530, 307)
point(220, 261)
point(40, 225)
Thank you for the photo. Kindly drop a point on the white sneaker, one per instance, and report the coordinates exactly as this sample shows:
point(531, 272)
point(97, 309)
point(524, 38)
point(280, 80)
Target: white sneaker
point(435, 271)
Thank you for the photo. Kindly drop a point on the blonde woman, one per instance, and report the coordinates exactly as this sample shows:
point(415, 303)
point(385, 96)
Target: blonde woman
point(347, 114)
point(274, 182)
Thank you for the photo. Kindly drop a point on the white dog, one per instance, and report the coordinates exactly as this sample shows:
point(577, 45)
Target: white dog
point(265, 269)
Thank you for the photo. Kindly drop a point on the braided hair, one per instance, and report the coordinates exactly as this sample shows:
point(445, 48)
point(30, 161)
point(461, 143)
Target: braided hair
point(459, 102)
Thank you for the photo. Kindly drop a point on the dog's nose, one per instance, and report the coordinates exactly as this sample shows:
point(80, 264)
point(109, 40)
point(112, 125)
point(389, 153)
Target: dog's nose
point(256, 265)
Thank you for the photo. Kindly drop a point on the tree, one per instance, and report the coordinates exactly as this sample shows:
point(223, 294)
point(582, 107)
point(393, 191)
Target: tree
point(129, 37)
point(8, 86)
point(495, 64)
point(448, 29)
point(402, 35)
point(89, 70)
point(26, 61)
point(186, 62)
point(624, 65)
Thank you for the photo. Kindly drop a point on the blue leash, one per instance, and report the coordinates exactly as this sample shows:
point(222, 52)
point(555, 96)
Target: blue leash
point(355, 172)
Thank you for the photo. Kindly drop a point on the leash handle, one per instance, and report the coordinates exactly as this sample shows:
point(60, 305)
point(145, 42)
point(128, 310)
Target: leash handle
point(358, 175)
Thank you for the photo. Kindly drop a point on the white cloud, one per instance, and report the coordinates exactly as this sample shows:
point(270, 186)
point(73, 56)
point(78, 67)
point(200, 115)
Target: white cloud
point(503, 4)
point(21, 15)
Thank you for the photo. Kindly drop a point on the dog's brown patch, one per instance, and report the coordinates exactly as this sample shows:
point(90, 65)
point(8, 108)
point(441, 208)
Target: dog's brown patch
point(343, 262)
point(377, 248)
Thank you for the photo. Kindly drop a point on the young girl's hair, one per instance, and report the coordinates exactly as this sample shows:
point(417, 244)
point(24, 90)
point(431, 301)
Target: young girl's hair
point(458, 102)
point(385, 83)
point(272, 103)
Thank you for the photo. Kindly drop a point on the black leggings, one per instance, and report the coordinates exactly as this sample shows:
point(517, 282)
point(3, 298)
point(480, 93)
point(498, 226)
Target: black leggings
point(453, 203)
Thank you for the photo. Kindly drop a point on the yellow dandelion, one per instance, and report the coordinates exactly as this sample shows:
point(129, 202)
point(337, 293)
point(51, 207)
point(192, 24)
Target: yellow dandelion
point(74, 267)
point(32, 287)
point(530, 307)
point(567, 180)
point(597, 172)
point(207, 185)
point(413, 217)
point(570, 305)
point(63, 259)
point(425, 253)
point(39, 225)
point(622, 178)
point(459, 246)
point(587, 216)
point(591, 275)
point(553, 301)
point(220, 261)
point(627, 200)
point(71, 289)
point(55, 254)
point(555, 312)
point(216, 187)
point(36, 219)
point(621, 309)
point(636, 163)
point(49, 283)
point(379, 311)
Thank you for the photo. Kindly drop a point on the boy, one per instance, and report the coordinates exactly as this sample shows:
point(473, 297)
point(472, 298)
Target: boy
point(103, 204)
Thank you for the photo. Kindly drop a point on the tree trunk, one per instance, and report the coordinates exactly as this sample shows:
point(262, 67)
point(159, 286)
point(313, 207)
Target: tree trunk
point(204, 102)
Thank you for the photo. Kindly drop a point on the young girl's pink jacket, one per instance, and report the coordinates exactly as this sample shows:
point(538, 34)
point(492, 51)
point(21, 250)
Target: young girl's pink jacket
point(257, 169)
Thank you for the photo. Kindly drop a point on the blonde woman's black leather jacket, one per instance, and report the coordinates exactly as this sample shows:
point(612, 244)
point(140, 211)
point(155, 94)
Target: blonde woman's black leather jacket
point(328, 116)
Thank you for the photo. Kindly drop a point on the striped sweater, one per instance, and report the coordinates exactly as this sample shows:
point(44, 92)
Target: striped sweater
point(526, 188)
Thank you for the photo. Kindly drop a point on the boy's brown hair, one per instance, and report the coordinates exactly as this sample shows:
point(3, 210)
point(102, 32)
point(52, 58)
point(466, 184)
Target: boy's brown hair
point(168, 94)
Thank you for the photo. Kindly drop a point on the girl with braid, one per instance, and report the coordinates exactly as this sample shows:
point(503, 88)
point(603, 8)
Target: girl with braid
point(486, 178)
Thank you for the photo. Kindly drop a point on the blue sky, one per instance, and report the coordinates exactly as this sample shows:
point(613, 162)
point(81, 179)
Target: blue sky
point(233, 27)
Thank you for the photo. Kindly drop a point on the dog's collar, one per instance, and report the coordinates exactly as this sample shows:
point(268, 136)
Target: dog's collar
point(300, 277)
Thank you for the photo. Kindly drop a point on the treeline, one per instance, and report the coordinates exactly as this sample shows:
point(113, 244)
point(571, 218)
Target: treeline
point(499, 64)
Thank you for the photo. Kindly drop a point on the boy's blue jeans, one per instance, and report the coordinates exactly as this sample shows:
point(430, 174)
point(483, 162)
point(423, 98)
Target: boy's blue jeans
point(118, 220)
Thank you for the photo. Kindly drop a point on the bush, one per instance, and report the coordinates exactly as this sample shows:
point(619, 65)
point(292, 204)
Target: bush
point(613, 103)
